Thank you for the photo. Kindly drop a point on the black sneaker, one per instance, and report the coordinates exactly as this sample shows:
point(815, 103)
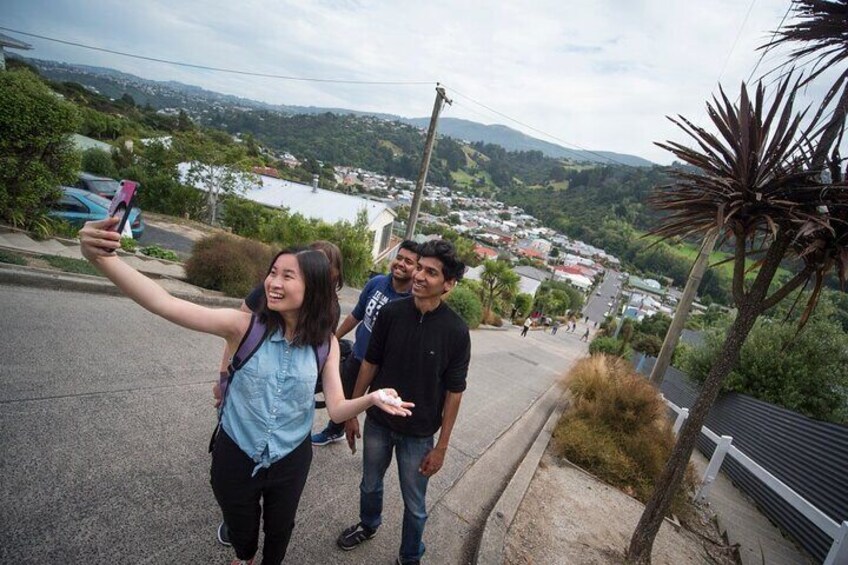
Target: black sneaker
point(224, 535)
point(355, 535)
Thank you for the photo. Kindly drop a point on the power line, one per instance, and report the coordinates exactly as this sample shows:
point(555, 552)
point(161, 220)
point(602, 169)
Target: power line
point(736, 40)
point(310, 79)
point(537, 130)
point(216, 69)
point(773, 35)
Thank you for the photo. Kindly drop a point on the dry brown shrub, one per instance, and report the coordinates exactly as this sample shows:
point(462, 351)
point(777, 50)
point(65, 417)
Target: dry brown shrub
point(231, 264)
point(616, 427)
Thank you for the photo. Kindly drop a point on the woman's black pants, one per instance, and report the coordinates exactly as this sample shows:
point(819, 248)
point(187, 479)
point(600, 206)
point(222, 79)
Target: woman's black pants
point(278, 487)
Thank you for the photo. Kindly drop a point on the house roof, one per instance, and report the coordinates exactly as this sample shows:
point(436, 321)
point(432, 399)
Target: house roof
point(484, 251)
point(11, 42)
point(532, 273)
point(324, 204)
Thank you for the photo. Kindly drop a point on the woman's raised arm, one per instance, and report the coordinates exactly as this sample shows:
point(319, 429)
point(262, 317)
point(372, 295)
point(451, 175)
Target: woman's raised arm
point(97, 245)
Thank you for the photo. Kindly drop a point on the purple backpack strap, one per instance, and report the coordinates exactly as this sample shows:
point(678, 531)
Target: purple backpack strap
point(250, 342)
point(321, 353)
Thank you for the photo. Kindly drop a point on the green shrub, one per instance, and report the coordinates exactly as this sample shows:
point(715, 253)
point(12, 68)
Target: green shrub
point(36, 154)
point(11, 258)
point(61, 228)
point(129, 244)
point(159, 253)
point(605, 345)
point(646, 343)
point(228, 263)
point(617, 428)
point(465, 302)
point(98, 162)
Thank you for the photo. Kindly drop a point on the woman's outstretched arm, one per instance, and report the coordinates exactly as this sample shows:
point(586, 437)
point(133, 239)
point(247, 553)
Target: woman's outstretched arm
point(97, 245)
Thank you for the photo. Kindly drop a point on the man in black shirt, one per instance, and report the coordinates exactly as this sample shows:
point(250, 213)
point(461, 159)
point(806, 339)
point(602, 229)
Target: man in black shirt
point(422, 348)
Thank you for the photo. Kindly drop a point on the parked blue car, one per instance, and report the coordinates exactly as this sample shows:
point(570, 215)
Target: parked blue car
point(79, 206)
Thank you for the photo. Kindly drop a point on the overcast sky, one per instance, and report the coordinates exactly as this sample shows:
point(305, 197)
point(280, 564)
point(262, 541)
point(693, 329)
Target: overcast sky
point(598, 74)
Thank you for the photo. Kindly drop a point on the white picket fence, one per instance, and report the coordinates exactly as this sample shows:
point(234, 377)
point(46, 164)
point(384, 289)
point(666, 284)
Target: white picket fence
point(838, 554)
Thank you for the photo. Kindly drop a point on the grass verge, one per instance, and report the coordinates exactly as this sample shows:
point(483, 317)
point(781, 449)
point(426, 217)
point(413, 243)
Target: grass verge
point(12, 258)
point(617, 429)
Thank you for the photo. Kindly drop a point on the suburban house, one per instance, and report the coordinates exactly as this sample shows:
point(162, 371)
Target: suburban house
point(325, 205)
point(573, 274)
point(328, 206)
point(7, 42)
point(530, 278)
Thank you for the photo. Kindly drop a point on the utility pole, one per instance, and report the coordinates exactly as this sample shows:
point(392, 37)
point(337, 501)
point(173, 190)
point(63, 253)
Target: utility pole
point(425, 161)
point(682, 312)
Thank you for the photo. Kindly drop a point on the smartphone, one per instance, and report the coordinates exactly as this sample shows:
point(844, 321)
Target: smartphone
point(122, 204)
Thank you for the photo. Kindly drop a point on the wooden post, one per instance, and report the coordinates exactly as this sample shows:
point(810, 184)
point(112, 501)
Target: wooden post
point(682, 312)
point(425, 161)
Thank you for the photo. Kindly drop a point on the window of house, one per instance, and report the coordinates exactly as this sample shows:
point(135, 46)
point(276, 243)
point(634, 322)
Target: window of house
point(386, 236)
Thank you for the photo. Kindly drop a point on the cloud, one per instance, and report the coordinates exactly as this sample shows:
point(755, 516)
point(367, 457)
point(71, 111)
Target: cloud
point(600, 75)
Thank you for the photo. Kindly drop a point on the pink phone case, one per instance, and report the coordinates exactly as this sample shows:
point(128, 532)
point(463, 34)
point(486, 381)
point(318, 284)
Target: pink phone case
point(123, 200)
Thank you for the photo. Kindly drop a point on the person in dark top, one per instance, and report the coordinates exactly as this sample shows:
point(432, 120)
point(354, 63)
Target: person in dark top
point(421, 347)
point(378, 291)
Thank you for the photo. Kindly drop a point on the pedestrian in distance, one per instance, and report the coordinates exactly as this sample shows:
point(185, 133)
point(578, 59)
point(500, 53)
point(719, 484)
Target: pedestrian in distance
point(261, 451)
point(527, 323)
point(377, 292)
point(555, 327)
point(422, 348)
point(585, 336)
point(252, 303)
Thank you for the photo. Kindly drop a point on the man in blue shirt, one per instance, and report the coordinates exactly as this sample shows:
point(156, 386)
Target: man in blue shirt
point(377, 293)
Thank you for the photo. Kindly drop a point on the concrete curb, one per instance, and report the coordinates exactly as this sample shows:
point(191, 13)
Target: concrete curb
point(55, 280)
point(491, 548)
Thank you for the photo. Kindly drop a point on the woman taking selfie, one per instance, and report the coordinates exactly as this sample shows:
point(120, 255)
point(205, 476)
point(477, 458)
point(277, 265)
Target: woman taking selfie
point(262, 452)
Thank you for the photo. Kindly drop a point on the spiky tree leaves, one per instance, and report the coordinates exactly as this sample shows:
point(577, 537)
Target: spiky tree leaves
point(752, 181)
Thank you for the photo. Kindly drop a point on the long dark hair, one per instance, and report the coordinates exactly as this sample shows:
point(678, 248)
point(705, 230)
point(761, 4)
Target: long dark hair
point(331, 250)
point(315, 319)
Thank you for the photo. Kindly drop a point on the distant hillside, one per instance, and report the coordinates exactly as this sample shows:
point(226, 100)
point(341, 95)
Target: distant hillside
point(513, 140)
point(172, 94)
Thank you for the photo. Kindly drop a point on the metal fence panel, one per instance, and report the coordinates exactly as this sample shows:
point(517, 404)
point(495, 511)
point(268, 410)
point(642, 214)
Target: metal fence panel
point(809, 456)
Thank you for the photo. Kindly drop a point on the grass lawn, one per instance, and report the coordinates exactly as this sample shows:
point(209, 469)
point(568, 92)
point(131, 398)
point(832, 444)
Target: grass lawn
point(12, 258)
point(690, 252)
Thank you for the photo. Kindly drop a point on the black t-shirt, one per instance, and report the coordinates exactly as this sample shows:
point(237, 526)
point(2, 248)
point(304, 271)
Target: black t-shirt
point(422, 356)
point(254, 299)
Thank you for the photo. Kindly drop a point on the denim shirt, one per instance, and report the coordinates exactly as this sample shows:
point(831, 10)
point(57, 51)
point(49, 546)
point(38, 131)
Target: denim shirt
point(270, 404)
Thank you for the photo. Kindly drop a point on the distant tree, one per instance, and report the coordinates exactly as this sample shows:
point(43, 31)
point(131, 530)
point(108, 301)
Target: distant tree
point(804, 372)
point(98, 162)
point(522, 304)
point(36, 154)
point(184, 123)
point(499, 283)
point(217, 165)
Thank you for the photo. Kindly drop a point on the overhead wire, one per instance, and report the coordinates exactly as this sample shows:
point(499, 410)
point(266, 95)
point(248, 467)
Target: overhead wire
point(528, 126)
point(736, 40)
point(604, 158)
point(218, 69)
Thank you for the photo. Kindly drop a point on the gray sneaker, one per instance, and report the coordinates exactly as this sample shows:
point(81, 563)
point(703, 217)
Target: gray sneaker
point(352, 537)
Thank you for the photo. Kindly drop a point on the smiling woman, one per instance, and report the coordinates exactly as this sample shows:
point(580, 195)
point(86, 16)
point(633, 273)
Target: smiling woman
point(262, 447)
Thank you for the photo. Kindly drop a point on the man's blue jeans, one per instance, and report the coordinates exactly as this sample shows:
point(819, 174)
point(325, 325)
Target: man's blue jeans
point(378, 443)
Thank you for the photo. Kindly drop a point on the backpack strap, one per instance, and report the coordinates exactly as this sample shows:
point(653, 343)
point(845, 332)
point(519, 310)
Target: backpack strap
point(250, 342)
point(322, 351)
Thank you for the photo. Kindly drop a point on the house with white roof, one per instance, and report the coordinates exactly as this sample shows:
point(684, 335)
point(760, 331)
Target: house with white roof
point(325, 205)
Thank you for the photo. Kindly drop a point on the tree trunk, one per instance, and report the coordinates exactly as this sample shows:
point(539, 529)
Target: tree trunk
point(642, 541)
point(750, 307)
